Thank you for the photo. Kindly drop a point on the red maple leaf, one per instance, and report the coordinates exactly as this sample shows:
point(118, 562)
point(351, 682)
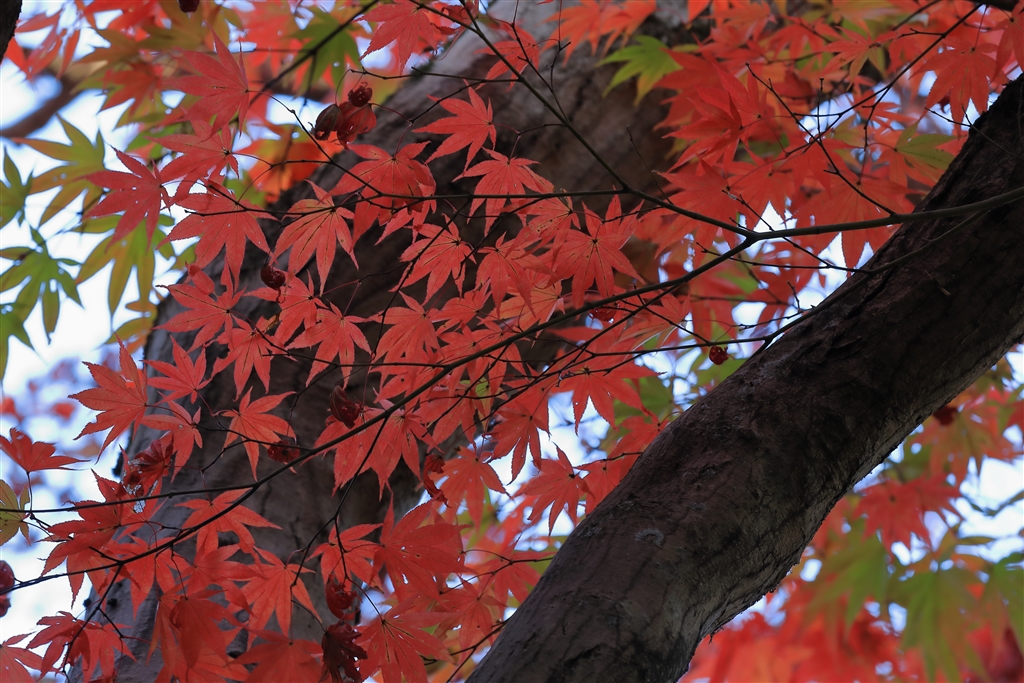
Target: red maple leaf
point(591, 257)
point(183, 430)
point(120, 397)
point(387, 183)
point(206, 311)
point(348, 553)
point(320, 227)
point(522, 51)
point(411, 332)
point(505, 264)
point(220, 85)
point(418, 555)
point(254, 425)
point(140, 194)
point(232, 518)
point(474, 611)
point(298, 307)
point(558, 485)
point(604, 475)
point(518, 422)
point(33, 456)
point(503, 176)
point(282, 658)
point(249, 349)
point(14, 660)
point(97, 645)
point(270, 593)
point(220, 221)
point(468, 478)
point(81, 541)
point(337, 336)
point(602, 378)
point(963, 71)
point(194, 621)
point(409, 23)
point(203, 155)
point(438, 255)
point(183, 377)
point(471, 126)
point(396, 641)
point(897, 510)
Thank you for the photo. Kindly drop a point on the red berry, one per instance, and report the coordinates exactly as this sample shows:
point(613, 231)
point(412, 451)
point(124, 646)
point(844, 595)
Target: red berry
point(272, 277)
point(360, 95)
point(188, 5)
point(718, 355)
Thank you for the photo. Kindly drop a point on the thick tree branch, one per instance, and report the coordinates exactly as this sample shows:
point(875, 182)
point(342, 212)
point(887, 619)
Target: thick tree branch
point(722, 504)
point(45, 112)
point(9, 12)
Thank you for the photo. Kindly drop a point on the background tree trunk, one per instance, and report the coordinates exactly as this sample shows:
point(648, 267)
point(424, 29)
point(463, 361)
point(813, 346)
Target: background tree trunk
point(304, 503)
point(9, 12)
point(723, 502)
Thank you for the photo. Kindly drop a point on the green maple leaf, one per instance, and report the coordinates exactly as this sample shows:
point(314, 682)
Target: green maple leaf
point(648, 59)
point(42, 275)
point(13, 193)
point(83, 157)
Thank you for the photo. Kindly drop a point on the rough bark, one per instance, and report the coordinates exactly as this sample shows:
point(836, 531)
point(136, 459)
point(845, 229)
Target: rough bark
point(723, 502)
point(9, 12)
point(303, 503)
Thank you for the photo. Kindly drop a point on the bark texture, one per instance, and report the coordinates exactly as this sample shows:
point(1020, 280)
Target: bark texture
point(723, 502)
point(9, 12)
point(304, 503)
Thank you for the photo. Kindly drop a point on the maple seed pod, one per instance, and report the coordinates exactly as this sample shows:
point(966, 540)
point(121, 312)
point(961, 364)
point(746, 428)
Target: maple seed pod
point(326, 122)
point(6, 584)
point(718, 355)
point(360, 95)
point(434, 464)
point(282, 452)
point(344, 410)
point(339, 600)
point(341, 652)
point(272, 277)
point(188, 5)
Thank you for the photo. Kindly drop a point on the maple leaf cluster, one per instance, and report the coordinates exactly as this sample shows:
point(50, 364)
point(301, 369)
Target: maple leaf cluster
point(451, 376)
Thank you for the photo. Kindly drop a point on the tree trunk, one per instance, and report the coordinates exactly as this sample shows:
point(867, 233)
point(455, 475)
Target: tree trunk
point(723, 502)
point(304, 503)
point(8, 22)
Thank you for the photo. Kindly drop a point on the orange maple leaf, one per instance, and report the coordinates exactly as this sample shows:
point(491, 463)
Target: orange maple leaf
point(503, 176)
point(271, 591)
point(33, 456)
point(120, 398)
point(220, 221)
point(471, 127)
point(558, 485)
point(139, 194)
point(396, 641)
point(220, 85)
point(226, 516)
point(253, 425)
